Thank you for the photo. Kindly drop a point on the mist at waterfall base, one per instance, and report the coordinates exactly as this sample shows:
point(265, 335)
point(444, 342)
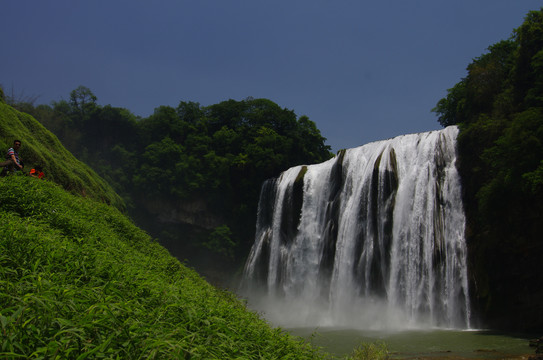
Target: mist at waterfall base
point(371, 239)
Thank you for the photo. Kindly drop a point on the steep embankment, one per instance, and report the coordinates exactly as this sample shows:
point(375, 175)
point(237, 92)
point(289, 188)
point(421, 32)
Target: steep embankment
point(41, 147)
point(79, 280)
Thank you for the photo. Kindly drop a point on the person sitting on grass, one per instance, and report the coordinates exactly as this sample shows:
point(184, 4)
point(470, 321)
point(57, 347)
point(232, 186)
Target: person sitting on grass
point(13, 161)
point(37, 172)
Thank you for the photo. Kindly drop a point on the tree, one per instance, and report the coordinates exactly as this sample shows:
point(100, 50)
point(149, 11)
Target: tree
point(110, 126)
point(164, 121)
point(527, 80)
point(488, 78)
point(82, 102)
point(156, 172)
point(190, 111)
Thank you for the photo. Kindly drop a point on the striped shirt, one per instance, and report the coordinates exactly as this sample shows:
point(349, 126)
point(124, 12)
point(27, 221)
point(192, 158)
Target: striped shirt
point(11, 151)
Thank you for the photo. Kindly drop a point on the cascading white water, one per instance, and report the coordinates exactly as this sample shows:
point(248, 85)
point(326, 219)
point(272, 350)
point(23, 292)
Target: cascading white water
point(373, 238)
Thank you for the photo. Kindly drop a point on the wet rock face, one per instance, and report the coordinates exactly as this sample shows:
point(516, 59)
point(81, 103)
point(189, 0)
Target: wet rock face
point(181, 226)
point(505, 249)
point(506, 279)
point(195, 212)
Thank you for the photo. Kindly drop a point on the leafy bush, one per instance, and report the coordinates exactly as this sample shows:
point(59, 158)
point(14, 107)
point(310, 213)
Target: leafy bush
point(370, 351)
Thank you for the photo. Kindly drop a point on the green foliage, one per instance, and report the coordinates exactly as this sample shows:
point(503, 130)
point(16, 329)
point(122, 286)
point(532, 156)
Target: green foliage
point(499, 108)
point(82, 102)
point(41, 147)
point(451, 108)
point(484, 90)
point(217, 155)
point(220, 241)
point(78, 280)
point(370, 351)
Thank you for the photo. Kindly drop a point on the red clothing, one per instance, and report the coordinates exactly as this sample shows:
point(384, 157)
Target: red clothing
point(37, 173)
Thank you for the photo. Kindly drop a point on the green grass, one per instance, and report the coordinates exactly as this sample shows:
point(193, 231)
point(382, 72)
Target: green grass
point(78, 280)
point(41, 147)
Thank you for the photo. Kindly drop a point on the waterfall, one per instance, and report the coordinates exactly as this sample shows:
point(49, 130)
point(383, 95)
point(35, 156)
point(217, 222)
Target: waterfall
point(373, 238)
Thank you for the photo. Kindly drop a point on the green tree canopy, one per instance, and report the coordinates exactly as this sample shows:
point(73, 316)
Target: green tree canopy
point(217, 155)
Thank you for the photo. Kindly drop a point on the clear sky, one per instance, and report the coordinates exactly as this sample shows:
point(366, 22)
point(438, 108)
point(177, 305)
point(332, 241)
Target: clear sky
point(362, 70)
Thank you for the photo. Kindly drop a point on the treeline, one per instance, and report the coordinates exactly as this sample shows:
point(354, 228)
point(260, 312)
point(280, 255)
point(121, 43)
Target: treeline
point(499, 108)
point(190, 174)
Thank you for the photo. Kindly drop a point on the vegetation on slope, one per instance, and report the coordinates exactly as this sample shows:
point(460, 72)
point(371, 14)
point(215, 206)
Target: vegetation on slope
point(190, 175)
point(78, 280)
point(499, 108)
point(41, 147)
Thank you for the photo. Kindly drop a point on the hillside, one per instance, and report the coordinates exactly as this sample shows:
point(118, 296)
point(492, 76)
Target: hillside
point(41, 147)
point(190, 175)
point(79, 280)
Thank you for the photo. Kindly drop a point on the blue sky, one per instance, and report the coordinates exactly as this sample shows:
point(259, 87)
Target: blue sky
point(362, 70)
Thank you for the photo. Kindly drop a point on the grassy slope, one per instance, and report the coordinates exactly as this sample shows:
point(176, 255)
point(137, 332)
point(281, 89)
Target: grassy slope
point(79, 280)
point(41, 147)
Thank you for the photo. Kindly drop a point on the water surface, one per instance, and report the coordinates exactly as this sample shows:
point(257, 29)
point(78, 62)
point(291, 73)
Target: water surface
point(423, 344)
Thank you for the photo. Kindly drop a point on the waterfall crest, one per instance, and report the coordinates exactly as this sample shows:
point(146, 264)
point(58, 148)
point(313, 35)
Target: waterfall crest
point(373, 238)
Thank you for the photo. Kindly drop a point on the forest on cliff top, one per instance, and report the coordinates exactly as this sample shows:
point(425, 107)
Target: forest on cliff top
point(499, 109)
